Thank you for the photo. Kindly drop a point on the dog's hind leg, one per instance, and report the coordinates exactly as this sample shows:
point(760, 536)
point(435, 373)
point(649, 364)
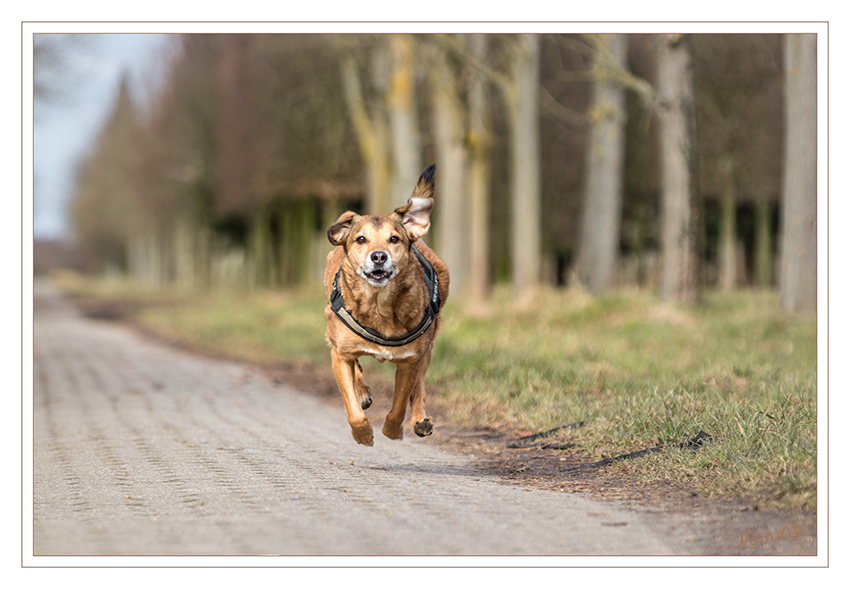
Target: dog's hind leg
point(364, 391)
point(422, 425)
point(404, 375)
point(344, 371)
point(409, 385)
point(407, 374)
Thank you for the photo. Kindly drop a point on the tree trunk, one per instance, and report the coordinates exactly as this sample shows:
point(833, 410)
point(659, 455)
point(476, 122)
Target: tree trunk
point(262, 273)
point(151, 259)
point(287, 252)
point(798, 274)
point(404, 126)
point(449, 122)
point(137, 259)
point(764, 245)
point(605, 153)
point(380, 202)
point(305, 223)
point(523, 118)
point(183, 240)
point(680, 239)
point(371, 135)
point(235, 127)
point(728, 231)
point(479, 144)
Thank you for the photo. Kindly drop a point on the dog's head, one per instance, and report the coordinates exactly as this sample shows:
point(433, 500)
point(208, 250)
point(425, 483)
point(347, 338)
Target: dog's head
point(377, 248)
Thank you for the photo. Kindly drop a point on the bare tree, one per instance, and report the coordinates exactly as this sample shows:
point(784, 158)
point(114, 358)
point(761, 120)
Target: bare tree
point(385, 119)
point(177, 169)
point(798, 275)
point(739, 100)
point(523, 100)
point(728, 225)
point(56, 66)
point(372, 129)
point(236, 124)
point(404, 125)
point(479, 142)
point(107, 207)
point(449, 119)
point(605, 152)
point(520, 88)
point(680, 240)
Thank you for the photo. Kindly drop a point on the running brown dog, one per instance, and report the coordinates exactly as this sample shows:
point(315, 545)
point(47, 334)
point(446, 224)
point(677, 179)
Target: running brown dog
point(385, 291)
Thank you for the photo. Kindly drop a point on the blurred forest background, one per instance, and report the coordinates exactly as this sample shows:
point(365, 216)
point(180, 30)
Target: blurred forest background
point(667, 162)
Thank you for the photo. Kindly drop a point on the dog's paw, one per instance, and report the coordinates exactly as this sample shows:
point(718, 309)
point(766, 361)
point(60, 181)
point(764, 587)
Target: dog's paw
point(423, 428)
point(392, 431)
point(364, 392)
point(363, 435)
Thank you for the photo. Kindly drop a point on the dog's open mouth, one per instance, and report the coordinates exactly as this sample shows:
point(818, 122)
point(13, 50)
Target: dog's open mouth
point(378, 276)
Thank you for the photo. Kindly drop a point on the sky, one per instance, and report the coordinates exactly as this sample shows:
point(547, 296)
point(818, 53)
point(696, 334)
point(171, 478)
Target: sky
point(64, 131)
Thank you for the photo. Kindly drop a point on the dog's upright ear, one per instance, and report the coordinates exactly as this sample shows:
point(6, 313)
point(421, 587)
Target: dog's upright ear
point(338, 232)
point(416, 214)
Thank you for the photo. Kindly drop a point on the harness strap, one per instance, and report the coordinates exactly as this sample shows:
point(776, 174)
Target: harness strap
point(430, 276)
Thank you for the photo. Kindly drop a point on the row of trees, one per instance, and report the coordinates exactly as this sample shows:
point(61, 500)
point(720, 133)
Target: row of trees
point(608, 157)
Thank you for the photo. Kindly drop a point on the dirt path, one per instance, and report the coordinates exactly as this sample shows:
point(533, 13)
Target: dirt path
point(143, 449)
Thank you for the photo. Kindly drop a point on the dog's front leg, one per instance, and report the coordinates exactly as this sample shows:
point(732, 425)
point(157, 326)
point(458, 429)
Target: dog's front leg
point(364, 391)
point(343, 368)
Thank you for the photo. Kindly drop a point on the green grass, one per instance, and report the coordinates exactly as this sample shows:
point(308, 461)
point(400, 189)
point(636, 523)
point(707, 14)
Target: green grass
point(639, 373)
point(250, 326)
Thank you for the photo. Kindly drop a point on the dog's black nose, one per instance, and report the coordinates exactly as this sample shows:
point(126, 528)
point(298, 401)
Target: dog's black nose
point(379, 258)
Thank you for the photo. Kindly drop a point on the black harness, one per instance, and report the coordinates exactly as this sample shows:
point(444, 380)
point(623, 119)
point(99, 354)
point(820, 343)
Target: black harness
point(430, 275)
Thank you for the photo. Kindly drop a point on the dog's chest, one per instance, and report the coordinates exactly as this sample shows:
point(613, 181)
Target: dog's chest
point(383, 354)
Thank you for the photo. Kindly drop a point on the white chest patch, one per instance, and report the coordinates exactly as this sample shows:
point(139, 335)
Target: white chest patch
point(383, 355)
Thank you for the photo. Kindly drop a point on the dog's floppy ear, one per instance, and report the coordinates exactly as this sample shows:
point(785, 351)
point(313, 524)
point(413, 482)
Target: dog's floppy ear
point(416, 214)
point(339, 230)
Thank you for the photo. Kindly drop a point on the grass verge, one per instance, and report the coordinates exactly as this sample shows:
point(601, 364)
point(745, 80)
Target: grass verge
point(639, 373)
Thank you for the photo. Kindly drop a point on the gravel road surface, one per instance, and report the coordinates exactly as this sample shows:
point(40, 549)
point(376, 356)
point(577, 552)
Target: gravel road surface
point(142, 449)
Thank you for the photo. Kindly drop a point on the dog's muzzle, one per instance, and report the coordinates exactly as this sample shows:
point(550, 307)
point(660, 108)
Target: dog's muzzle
point(378, 268)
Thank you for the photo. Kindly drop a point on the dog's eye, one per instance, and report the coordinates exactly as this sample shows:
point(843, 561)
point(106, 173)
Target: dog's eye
point(394, 239)
point(361, 239)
